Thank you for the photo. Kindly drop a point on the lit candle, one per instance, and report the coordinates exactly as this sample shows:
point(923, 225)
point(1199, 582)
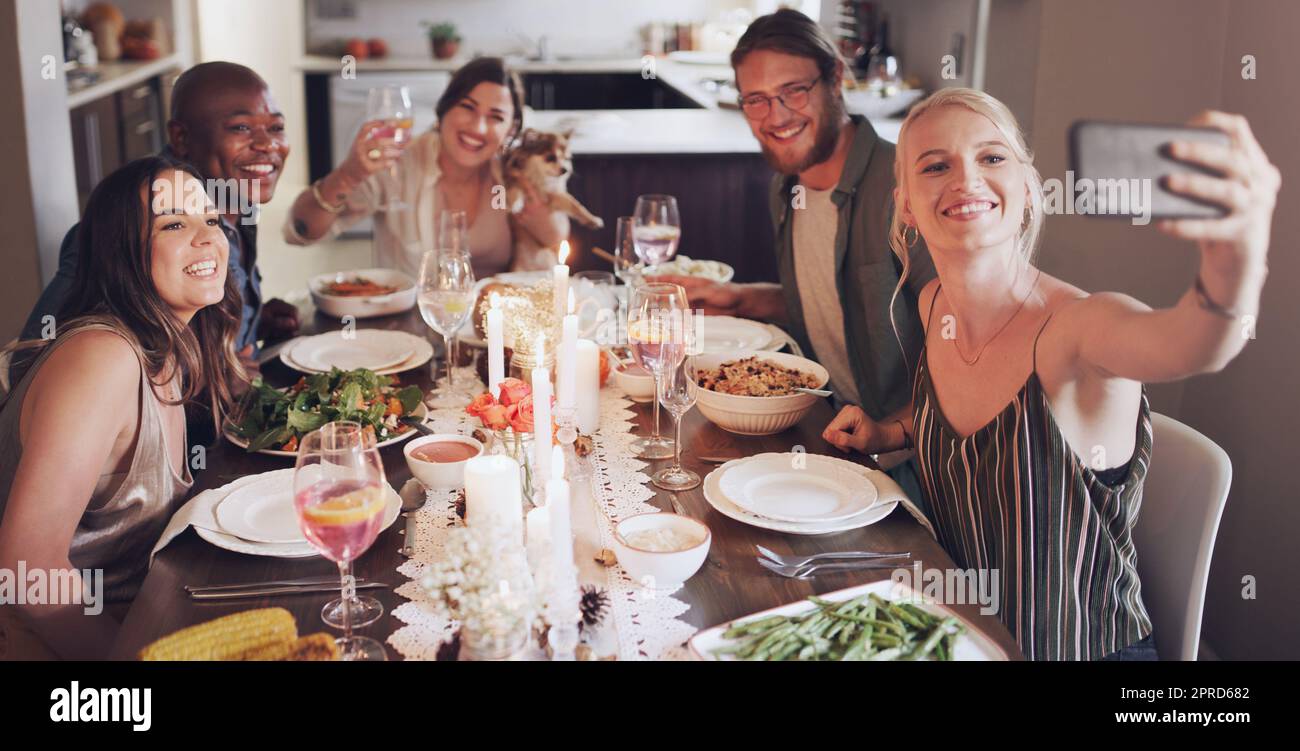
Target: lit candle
point(496, 347)
point(557, 502)
point(565, 363)
point(587, 380)
point(492, 494)
point(561, 278)
point(541, 414)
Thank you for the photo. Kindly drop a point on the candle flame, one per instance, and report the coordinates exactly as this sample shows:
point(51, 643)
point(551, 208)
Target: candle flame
point(557, 463)
point(571, 302)
point(564, 251)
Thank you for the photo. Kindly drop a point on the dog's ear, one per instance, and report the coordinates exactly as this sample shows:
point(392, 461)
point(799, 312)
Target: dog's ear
point(566, 134)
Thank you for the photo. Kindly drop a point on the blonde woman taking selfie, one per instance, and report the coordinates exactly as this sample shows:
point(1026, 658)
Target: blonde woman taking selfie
point(1025, 379)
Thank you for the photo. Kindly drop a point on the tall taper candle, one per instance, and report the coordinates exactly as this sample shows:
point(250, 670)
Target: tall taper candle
point(567, 361)
point(541, 417)
point(557, 502)
point(496, 347)
point(561, 279)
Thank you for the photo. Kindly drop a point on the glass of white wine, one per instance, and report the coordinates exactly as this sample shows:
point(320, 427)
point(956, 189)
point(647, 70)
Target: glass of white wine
point(446, 298)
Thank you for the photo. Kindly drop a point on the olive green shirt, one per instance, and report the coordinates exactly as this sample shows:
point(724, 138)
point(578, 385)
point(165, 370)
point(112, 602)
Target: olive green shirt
point(867, 271)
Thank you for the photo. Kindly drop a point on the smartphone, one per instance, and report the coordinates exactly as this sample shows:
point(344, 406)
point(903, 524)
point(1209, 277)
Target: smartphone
point(1124, 164)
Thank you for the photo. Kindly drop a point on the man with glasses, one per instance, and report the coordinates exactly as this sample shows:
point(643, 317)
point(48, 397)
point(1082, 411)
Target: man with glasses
point(831, 206)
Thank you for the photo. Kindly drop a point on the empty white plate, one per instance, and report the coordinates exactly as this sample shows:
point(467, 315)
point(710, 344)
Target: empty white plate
point(724, 333)
point(262, 512)
point(800, 488)
point(421, 353)
point(372, 349)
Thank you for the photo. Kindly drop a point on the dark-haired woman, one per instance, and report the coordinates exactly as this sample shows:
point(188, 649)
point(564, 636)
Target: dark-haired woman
point(92, 432)
point(454, 166)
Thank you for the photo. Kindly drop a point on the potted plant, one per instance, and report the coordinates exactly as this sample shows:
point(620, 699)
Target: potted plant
point(444, 39)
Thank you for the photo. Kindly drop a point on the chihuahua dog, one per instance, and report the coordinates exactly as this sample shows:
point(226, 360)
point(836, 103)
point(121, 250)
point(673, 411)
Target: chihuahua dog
point(542, 160)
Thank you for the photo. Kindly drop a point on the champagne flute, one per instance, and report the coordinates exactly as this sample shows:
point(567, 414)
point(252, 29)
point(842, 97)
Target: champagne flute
point(651, 314)
point(676, 391)
point(628, 266)
point(446, 298)
point(339, 494)
point(656, 228)
point(453, 235)
point(392, 105)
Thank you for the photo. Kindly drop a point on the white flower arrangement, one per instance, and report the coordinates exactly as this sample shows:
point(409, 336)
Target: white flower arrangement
point(484, 581)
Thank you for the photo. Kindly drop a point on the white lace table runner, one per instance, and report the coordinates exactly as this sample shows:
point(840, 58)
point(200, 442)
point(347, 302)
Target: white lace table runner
point(644, 623)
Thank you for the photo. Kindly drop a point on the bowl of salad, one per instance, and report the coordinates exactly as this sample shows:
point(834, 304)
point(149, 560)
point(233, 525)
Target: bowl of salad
point(272, 421)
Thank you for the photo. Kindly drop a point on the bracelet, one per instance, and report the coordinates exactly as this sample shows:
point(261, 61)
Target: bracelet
point(320, 201)
point(907, 443)
point(1203, 300)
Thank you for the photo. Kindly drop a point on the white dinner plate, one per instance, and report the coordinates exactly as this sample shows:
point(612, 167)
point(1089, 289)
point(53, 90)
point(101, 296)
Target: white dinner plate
point(797, 488)
point(372, 349)
point(722, 503)
point(725, 333)
point(392, 510)
point(262, 511)
point(421, 353)
point(421, 411)
point(970, 644)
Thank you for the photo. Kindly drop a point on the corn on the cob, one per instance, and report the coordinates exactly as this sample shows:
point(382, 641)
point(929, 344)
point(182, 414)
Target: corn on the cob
point(313, 648)
point(232, 637)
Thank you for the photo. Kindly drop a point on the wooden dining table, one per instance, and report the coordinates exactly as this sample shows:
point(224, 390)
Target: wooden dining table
point(731, 584)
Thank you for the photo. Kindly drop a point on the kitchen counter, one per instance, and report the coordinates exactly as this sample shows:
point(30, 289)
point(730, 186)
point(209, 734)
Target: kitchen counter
point(711, 129)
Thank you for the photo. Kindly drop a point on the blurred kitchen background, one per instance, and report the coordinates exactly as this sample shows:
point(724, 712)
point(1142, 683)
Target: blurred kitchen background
point(79, 108)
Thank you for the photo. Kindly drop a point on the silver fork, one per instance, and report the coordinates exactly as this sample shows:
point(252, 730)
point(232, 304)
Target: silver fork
point(810, 570)
point(799, 560)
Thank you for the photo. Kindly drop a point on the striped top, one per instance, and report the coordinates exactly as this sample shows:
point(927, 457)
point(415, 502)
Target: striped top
point(1013, 497)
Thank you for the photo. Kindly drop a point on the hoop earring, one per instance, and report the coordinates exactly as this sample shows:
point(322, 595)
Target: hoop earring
point(916, 235)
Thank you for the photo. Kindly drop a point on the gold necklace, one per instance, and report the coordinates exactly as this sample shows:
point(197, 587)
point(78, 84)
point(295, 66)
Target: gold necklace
point(1004, 326)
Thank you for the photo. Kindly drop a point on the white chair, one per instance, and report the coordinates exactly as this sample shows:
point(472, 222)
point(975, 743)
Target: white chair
point(1182, 502)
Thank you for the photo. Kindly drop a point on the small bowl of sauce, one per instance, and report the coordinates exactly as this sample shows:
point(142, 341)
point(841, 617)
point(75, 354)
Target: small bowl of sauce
point(438, 461)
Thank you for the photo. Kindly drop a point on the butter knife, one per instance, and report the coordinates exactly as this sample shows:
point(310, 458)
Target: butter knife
point(268, 591)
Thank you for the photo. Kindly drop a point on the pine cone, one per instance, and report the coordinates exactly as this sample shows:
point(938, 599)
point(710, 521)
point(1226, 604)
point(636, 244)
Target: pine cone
point(594, 604)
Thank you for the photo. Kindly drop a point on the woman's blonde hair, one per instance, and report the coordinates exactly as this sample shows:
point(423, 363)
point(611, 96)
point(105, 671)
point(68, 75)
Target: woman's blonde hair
point(977, 101)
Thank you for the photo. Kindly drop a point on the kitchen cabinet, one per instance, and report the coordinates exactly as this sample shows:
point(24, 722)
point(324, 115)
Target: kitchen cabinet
point(601, 91)
point(114, 129)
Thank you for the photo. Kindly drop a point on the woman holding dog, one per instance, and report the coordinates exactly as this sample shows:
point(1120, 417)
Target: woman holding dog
point(455, 166)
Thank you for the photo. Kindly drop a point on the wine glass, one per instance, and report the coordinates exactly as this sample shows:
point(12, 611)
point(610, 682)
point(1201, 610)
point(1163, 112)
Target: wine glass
point(676, 391)
point(651, 314)
point(339, 493)
point(628, 266)
point(446, 298)
point(453, 230)
point(392, 106)
point(656, 229)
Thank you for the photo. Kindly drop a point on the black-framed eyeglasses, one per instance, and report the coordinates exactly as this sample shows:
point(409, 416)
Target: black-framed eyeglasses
point(794, 97)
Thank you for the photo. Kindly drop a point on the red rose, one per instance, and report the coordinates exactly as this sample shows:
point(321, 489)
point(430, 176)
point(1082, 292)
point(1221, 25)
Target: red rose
point(496, 417)
point(522, 419)
point(513, 390)
point(480, 404)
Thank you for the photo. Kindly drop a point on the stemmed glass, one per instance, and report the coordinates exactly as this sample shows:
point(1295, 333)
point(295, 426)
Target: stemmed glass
point(628, 266)
point(446, 297)
point(392, 106)
point(339, 495)
point(676, 391)
point(656, 228)
point(453, 235)
point(651, 315)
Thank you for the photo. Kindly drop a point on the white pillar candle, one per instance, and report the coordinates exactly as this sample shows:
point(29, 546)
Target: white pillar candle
point(538, 539)
point(567, 360)
point(587, 379)
point(492, 494)
point(496, 347)
point(541, 416)
point(561, 279)
point(557, 502)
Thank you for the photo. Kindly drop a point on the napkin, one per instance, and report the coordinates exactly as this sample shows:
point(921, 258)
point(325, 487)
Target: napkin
point(889, 491)
point(200, 511)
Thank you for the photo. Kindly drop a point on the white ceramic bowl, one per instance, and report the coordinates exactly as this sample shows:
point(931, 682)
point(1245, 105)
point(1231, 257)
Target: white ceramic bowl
point(638, 387)
point(757, 415)
point(439, 475)
point(367, 306)
point(661, 570)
